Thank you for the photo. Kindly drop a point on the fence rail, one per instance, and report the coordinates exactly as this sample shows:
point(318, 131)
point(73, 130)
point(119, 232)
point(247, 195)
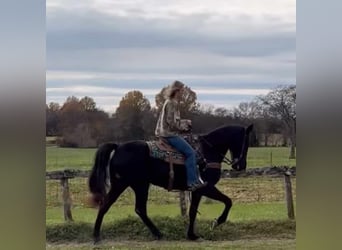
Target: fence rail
point(286, 172)
point(67, 173)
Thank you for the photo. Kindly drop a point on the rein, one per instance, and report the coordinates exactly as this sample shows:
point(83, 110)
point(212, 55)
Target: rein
point(225, 159)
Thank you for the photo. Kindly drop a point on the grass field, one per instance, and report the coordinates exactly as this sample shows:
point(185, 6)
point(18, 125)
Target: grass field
point(74, 158)
point(239, 212)
point(173, 229)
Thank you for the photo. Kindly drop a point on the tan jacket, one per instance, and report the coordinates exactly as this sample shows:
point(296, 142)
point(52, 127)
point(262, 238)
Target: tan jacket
point(169, 121)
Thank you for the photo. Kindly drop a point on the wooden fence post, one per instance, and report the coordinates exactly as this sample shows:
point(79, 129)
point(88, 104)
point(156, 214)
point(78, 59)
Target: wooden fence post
point(183, 202)
point(66, 199)
point(288, 195)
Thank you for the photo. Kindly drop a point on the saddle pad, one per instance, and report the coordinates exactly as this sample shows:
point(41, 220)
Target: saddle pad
point(162, 151)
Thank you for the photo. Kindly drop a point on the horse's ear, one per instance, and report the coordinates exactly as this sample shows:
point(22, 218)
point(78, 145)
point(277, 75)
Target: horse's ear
point(249, 129)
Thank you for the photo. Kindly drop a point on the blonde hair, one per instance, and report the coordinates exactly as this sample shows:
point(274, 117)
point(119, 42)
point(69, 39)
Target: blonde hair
point(173, 88)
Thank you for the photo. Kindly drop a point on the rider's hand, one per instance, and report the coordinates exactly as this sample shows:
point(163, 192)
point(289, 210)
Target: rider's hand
point(186, 125)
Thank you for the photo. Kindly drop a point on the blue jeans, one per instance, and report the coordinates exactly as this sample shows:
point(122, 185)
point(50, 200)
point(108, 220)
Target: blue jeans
point(190, 157)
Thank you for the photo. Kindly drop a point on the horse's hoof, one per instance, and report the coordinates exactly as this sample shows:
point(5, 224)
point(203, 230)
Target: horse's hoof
point(214, 224)
point(97, 240)
point(193, 237)
point(159, 236)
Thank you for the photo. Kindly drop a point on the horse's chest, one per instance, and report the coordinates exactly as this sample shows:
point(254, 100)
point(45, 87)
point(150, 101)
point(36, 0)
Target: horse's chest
point(212, 175)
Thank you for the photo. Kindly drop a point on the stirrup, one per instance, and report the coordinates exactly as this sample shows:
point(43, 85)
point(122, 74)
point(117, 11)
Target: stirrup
point(197, 185)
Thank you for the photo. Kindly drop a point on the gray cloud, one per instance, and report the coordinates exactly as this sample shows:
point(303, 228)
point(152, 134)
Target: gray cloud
point(69, 31)
point(111, 43)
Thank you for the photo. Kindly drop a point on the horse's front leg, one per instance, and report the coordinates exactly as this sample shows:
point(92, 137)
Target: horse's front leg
point(195, 200)
point(213, 193)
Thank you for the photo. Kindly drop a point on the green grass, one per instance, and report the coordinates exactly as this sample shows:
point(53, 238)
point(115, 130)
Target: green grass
point(269, 156)
point(173, 228)
point(239, 212)
point(74, 158)
point(69, 158)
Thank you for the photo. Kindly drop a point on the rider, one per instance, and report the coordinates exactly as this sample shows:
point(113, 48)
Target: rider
point(169, 126)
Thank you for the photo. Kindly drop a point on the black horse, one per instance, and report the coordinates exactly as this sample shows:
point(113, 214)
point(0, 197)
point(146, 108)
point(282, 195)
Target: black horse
point(130, 165)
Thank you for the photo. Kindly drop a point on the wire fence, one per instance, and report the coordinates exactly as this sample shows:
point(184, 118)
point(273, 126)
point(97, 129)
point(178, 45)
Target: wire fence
point(241, 190)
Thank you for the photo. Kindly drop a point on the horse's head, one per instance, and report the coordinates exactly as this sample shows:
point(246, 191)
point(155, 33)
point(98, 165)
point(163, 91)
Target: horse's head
point(239, 149)
point(215, 145)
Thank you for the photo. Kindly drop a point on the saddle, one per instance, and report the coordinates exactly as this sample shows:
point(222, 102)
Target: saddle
point(161, 149)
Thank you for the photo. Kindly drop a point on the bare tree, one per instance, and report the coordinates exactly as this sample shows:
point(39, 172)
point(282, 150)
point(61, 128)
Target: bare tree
point(88, 103)
point(221, 112)
point(247, 111)
point(281, 103)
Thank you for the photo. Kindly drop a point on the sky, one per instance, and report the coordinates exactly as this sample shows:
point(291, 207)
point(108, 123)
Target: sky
point(227, 51)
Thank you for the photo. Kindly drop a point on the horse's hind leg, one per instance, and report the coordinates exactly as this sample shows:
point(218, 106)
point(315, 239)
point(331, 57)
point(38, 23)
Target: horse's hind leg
point(213, 193)
point(141, 195)
point(116, 190)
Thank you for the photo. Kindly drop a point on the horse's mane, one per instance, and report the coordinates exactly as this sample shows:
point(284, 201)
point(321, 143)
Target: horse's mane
point(222, 131)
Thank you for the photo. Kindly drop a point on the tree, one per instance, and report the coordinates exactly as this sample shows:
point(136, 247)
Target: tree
point(221, 112)
point(255, 112)
point(247, 111)
point(99, 124)
point(281, 103)
point(88, 103)
point(130, 115)
point(206, 118)
point(71, 114)
point(266, 125)
point(52, 118)
point(81, 124)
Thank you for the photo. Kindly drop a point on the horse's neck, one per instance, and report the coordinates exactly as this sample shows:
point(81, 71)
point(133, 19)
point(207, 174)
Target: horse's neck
point(217, 147)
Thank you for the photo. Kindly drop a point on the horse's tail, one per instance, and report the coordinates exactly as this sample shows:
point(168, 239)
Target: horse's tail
point(99, 173)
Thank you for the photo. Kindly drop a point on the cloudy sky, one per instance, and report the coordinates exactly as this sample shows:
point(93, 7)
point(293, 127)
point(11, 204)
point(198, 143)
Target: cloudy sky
point(227, 51)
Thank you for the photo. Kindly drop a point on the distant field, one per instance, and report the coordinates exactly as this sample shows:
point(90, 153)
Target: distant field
point(71, 158)
point(74, 158)
point(269, 156)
